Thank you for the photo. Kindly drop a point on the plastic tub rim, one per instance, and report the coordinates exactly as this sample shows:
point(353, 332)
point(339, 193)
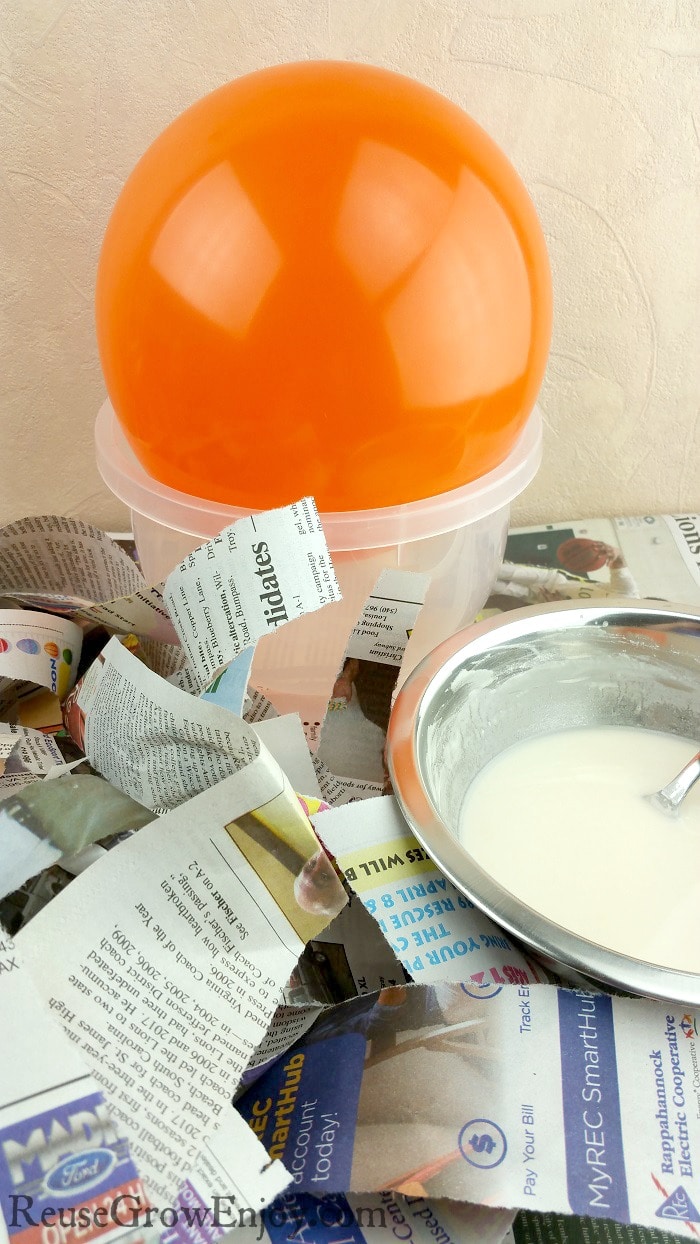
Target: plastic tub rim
point(344, 530)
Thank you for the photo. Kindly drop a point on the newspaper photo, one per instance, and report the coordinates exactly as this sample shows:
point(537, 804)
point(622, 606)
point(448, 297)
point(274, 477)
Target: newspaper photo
point(353, 732)
point(656, 557)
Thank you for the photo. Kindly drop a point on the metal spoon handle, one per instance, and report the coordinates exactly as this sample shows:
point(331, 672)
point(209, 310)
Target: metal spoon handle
point(671, 796)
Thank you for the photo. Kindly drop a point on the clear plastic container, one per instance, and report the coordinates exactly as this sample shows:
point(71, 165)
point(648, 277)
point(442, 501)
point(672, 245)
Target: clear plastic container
point(458, 537)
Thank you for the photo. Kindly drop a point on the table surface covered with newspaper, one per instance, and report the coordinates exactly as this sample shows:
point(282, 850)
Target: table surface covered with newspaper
point(236, 993)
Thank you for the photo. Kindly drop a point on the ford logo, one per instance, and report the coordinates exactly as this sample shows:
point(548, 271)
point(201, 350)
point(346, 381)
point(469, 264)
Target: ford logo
point(80, 1170)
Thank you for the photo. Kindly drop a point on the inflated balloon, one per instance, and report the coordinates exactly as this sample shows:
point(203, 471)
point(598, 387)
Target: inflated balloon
point(323, 278)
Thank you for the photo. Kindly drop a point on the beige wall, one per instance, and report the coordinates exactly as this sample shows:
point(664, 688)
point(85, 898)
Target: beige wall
point(597, 103)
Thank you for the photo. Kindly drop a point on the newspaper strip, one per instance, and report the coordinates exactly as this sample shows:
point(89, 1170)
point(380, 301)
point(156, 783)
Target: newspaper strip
point(151, 740)
point(166, 959)
point(254, 577)
point(39, 649)
point(435, 932)
point(66, 1171)
point(231, 1183)
point(28, 756)
point(42, 823)
point(7, 746)
point(353, 733)
point(166, 660)
point(655, 556)
point(257, 707)
point(352, 957)
point(431, 1089)
point(337, 1219)
point(634, 548)
point(423, 1220)
point(287, 1026)
point(284, 739)
point(341, 790)
point(161, 745)
point(67, 566)
point(229, 689)
point(384, 627)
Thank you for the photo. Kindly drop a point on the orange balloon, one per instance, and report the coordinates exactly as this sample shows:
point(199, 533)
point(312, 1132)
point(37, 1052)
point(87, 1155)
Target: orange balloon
point(323, 278)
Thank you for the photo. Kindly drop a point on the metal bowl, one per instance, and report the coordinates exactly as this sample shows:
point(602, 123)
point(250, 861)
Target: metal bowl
point(527, 673)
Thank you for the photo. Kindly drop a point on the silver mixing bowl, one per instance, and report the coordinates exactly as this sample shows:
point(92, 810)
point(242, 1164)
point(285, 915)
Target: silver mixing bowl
point(531, 672)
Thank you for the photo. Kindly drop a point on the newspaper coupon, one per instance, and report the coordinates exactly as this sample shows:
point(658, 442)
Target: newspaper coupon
point(556, 1100)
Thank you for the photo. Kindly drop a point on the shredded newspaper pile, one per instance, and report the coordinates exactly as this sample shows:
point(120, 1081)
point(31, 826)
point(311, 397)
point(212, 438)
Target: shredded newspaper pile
point(236, 993)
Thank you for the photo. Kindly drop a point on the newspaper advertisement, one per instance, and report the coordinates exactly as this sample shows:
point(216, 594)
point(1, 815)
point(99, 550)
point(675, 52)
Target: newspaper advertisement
point(36, 650)
point(435, 932)
point(60, 1149)
point(426, 1089)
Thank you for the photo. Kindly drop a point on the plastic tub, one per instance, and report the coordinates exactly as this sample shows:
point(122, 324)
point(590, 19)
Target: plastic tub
point(457, 537)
